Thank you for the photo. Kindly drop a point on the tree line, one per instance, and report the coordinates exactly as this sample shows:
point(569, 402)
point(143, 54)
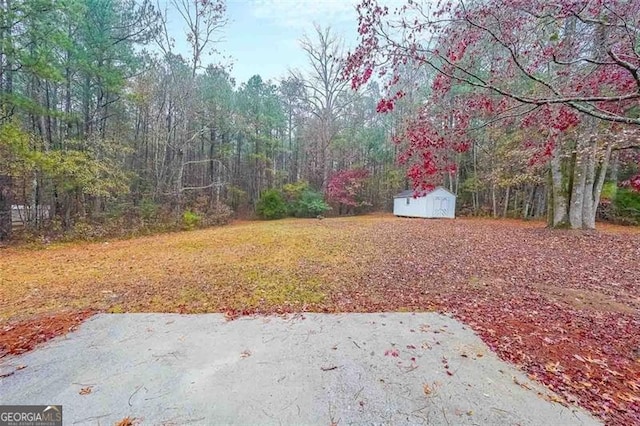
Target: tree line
point(522, 110)
point(102, 118)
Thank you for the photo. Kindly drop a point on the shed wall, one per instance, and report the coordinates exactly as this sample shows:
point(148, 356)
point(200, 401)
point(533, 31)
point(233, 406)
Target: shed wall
point(417, 207)
point(439, 203)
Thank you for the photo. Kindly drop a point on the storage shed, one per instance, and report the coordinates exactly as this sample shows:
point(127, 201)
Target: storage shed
point(435, 203)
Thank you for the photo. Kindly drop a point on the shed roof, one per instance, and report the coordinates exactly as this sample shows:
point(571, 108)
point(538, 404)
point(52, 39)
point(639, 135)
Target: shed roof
point(411, 192)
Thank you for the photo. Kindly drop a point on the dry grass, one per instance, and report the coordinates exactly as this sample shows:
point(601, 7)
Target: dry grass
point(284, 265)
point(289, 264)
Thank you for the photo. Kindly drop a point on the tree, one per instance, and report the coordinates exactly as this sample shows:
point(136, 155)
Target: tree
point(293, 94)
point(558, 67)
point(259, 102)
point(103, 129)
point(326, 98)
point(204, 20)
point(345, 189)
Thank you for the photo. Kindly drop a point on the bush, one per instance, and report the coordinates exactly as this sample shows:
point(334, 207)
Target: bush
point(190, 220)
point(627, 206)
point(310, 204)
point(302, 201)
point(609, 191)
point(148, 210)
point(271, 205)
point(293, 191)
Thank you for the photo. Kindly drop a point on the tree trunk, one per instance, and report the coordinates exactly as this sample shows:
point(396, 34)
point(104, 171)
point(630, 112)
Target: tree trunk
point(615, 166)
point(506, 202)
point(493, 199)
point(6, 200)
point(178, 186)
point(590, 221)
point(588, 208)
point(579, 184)
point(558, 195)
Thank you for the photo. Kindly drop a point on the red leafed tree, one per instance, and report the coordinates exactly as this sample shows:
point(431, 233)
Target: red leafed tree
point(556, 66)
point(431, 140)
point(345, 189)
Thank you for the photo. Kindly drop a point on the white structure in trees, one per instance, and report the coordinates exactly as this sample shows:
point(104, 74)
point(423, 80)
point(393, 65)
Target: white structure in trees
point(435, 203)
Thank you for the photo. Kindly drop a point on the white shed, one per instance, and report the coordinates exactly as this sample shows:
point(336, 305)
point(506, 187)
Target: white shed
point(435, 203)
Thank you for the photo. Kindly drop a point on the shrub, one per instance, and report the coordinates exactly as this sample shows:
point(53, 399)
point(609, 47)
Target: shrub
point(148, 210)
point(310, 204)
point(302, 201)
point(609, 191)
point(271, 205)
point(627, 206)
point(293, 191)
point(190, 220)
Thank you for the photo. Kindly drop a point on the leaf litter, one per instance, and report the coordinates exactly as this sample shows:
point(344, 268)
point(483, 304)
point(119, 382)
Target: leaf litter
point(562, 305)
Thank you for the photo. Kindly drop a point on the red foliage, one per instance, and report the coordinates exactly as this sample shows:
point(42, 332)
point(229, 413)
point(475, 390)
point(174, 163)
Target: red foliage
point(385, 105)
point(345, 187)
point(430, 152)
point(513, 67)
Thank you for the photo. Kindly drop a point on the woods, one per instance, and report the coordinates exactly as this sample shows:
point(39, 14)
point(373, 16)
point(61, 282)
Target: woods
point(523, 110)
point(549, 90)
point(105, 122)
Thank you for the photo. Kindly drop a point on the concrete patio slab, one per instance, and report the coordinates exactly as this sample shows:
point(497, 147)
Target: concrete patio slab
point(169, 369)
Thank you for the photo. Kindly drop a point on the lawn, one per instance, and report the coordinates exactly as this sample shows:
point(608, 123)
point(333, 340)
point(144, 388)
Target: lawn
point(563, 305)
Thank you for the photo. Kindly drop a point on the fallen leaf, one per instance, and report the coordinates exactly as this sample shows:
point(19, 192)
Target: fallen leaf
point(627, 396)
point(521, 384)
point(427, 389)
point(392, 352)
point(127, 421)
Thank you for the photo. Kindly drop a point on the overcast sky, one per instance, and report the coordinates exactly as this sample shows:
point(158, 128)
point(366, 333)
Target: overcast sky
point(262, 35)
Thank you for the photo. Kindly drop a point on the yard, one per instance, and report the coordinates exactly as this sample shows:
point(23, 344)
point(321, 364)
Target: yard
point(562, 305)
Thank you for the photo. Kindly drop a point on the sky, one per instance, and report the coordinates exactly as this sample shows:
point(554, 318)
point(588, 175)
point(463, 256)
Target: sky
point(262, 35)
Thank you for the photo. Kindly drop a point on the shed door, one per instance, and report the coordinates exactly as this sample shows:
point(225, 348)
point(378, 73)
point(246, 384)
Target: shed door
point(441, 206)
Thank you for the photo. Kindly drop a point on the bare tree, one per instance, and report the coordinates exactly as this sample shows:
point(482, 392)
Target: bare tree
point(204, 19)
point(326, 95)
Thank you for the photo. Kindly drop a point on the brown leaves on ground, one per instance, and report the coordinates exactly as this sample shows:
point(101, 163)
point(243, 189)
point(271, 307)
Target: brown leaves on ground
point(537, 297)
point(127, 421)
point(563, 305)
point(21, 336)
